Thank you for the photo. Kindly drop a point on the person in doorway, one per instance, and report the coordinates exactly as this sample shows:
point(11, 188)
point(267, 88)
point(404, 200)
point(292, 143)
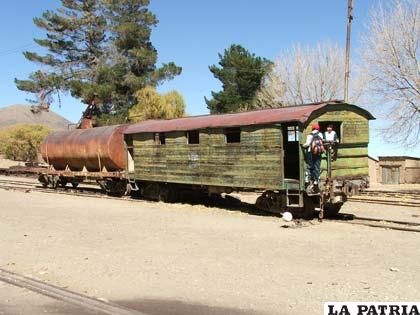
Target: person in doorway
point(331, 138)
point(314, 147)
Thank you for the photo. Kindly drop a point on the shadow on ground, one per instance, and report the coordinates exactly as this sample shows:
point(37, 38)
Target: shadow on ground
point(146, 306)
point(223, 201)
point(176, 307)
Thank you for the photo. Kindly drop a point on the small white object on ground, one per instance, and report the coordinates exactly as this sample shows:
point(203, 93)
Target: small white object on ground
point(287, 216)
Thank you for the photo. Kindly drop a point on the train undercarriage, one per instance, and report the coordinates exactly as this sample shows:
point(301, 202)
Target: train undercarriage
point(301, 204)
point(111, 183)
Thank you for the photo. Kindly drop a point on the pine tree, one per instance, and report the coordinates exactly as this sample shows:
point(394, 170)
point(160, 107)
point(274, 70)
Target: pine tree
point(135, 57)
point(99, 51)
point(76, 38)
point(241, 74)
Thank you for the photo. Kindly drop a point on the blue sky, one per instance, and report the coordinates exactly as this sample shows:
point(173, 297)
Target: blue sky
point(192, 33)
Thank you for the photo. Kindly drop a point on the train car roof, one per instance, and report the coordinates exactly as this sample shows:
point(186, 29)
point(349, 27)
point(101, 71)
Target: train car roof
point(299, 113)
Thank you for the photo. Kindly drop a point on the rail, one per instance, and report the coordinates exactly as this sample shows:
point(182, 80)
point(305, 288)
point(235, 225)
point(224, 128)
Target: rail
point(27, 186)
point(399, 198)
point(65, 295)
point(378, 223)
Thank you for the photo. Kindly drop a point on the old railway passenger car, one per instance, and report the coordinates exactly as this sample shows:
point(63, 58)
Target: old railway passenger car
point(248, 151)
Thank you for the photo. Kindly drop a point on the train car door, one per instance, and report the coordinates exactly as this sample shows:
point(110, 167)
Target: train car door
point(390, 175)
point(129, 153)
point(291, 151)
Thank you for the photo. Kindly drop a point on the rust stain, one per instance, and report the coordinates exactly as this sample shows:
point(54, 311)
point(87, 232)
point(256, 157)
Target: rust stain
point(258, 117)
point(80, 148)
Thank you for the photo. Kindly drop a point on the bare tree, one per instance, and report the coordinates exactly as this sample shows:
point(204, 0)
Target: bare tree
point(306, 75)
point(390, 54)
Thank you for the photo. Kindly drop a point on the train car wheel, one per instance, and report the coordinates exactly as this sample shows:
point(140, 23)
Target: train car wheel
point(166, 194)
point(44, 180)
point(271, 202)
point(103, 185)
point(307, 211)
point(62, 182)
point(150, 191)
point(332, 209)
point(54, 181)
point(116, 187)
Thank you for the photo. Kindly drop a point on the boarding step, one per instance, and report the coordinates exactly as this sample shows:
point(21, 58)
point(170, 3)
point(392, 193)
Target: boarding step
point(294, 199)
point(294, 206)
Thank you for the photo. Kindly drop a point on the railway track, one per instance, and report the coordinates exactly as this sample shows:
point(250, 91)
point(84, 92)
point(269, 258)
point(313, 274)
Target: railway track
point(34, 186)
point(398, 194)
point(400, 198)
point(65, 295)
point(15, 182)
point(378, 223)
point(27, 186)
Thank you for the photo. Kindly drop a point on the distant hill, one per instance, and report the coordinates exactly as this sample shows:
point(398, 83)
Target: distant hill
point(22, 114)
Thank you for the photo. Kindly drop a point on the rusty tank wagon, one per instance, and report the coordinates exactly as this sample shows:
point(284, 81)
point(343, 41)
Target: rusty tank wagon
point(77, 155)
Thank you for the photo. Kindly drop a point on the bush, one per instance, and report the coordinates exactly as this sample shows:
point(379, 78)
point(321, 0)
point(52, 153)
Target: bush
point(22, 142)
point(111, 119)
point(152, 105)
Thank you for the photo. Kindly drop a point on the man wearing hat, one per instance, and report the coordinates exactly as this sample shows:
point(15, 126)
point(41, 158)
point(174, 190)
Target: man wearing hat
point(314, 148)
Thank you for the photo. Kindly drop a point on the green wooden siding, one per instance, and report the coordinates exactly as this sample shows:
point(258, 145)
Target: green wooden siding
point(354, 127)
point(352, 158)
point(255, 162)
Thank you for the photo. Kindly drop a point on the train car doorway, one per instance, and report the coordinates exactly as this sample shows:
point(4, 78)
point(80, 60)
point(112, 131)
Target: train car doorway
point(129, 154)
point(291, 151)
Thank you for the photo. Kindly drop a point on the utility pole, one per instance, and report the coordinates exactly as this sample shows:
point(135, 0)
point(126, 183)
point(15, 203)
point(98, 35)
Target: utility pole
point(347, 70)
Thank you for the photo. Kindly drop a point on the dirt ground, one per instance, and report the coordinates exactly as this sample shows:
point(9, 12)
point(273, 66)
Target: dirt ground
point(16, 301)
point(182, 259)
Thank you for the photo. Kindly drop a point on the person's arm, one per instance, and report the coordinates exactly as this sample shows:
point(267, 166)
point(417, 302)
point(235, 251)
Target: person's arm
point(308, 141)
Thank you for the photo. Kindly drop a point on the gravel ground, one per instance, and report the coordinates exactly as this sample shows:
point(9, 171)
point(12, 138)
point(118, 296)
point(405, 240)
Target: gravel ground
point(182, 259)
point(21, 179)
point(385, 212)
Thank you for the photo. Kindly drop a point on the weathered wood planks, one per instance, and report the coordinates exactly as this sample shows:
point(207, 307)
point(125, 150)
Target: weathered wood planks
point(352, 158)
point(255, 162)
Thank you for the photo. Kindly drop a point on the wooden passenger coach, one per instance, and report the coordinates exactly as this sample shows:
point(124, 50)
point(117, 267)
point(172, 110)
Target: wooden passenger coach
point(258, 150)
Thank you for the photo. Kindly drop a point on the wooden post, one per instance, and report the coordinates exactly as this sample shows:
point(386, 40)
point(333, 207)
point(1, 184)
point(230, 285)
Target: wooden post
point(347, 70)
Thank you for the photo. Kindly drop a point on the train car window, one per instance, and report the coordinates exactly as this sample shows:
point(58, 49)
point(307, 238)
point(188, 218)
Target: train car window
point(335, 124)
point(233, 135)
point(292, 133)
point(193, 137)
point(160, 138)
